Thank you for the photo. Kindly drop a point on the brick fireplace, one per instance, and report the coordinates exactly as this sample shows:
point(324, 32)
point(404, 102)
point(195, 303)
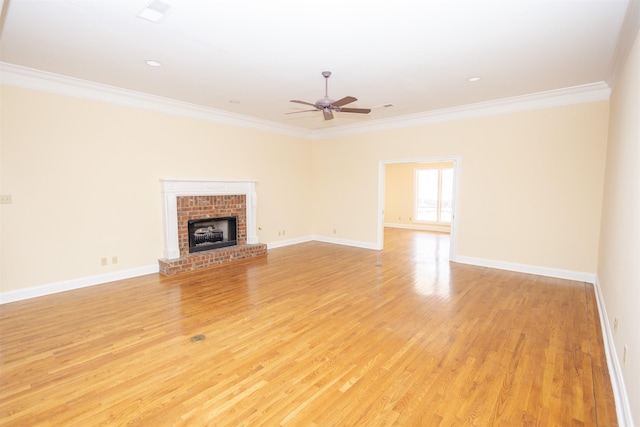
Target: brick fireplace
point(186, 200)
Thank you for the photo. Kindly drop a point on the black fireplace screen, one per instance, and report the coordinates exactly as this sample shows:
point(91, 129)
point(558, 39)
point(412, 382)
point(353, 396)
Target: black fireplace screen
point(212, 233)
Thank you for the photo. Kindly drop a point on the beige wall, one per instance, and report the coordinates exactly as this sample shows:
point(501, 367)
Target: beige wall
point(530, 183)
point(84, 178)
point(619, 260)
point(398, 193)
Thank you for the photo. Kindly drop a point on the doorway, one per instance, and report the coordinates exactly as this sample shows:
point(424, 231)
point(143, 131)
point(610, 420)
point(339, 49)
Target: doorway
point(455, 161)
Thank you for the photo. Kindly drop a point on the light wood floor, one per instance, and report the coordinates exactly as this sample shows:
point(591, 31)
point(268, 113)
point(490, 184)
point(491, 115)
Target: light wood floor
point(312, 335)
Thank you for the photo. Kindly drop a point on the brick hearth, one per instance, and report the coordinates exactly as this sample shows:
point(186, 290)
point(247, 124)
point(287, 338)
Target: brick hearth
point(206, 259)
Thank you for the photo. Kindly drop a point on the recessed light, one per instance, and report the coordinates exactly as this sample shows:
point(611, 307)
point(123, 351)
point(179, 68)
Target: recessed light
point(473, 79)
point(153, 63)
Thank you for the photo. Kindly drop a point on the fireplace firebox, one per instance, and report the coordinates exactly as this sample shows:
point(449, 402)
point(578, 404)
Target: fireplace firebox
point(212, 233)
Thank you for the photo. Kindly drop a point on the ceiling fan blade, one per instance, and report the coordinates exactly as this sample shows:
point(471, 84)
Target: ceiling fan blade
point(303, 102)
point(356, 110)
point(301, 111)
point(344, 101)
point(328, 114)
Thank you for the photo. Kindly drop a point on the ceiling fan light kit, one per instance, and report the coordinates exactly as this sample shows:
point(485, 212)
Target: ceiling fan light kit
point(328, 105)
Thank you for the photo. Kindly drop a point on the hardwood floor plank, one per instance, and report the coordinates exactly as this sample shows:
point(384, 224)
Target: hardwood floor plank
point(313, 334)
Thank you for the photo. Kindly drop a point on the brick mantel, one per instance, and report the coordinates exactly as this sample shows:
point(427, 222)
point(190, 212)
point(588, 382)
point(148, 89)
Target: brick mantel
point(174, 188)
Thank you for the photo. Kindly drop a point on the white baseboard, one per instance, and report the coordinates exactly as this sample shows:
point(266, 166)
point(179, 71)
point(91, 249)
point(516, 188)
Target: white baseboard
point(289, 242)
point(68, 285)
point(423, 227)
point(623, 408)
point(37, 291)
point(345, 242)
point(530, 269)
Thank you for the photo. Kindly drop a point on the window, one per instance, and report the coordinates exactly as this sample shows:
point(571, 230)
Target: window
point(434, 195)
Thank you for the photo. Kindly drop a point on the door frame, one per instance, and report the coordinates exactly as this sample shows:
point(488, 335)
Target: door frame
point(457, 163)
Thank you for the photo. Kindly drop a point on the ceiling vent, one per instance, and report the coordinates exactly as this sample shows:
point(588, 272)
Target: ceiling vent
point(154, 11)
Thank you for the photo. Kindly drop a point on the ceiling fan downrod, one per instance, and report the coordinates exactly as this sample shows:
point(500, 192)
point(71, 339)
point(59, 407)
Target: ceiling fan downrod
point(326, 75)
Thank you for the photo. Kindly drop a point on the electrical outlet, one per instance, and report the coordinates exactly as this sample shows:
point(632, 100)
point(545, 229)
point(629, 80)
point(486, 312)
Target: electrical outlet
point(5, 199)
point(334, 231)
point(624, 356)
point(615, 325)
point(104, 261)
point(114, 259)
point(284, 232)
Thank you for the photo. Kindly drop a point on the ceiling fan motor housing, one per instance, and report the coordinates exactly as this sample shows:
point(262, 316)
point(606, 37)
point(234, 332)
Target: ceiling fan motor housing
point(324, 102)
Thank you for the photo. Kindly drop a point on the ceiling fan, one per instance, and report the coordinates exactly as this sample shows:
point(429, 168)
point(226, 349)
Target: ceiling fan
point(328, 105)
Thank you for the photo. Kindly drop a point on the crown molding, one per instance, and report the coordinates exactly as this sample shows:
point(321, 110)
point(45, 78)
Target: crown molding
point(554, 98)
point(29, 78)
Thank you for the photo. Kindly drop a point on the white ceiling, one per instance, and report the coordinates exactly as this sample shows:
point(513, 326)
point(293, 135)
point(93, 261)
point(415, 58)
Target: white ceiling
point(251, 57)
